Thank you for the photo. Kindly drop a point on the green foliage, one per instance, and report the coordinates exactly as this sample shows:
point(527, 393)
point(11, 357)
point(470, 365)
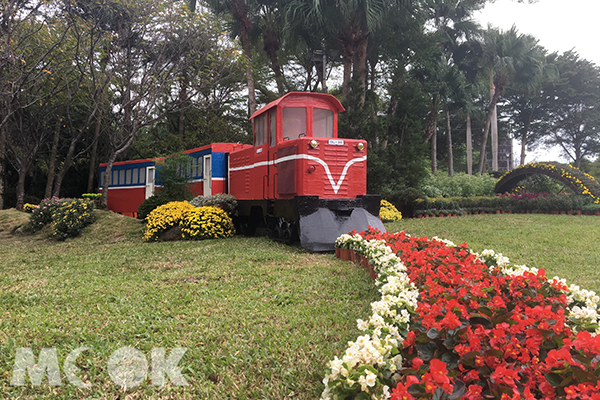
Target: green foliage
point(459, 185)
point(225, 201)
point(541, 184)
point(70, 217)
point(174, 177)
point(174, 174)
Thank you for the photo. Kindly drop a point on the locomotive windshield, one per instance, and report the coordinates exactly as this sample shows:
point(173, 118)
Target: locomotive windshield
point(322, 123)
point(294, 123)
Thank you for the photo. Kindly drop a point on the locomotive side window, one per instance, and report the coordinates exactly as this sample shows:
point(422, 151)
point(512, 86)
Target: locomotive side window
point(260, 130)
point(322, 123)
point(294, 123)
point(273, 127)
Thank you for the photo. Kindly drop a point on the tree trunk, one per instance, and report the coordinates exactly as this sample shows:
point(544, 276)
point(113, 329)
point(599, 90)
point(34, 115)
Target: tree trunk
point(449, 137)
point(239, 11)
point(271, 45)
point(52, 163)
point(106, 180)
point(360, 68)
point(469, 147)
point(486, 131)
point(434, 154)
point(346, 78)
point(524, 138)
point(494, 125)
point(2, 158)
point(21, 188)
point(93, 156)
point(183, 97)
point(431, 122)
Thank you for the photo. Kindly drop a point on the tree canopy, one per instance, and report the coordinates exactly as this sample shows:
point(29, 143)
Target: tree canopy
point(84, 82)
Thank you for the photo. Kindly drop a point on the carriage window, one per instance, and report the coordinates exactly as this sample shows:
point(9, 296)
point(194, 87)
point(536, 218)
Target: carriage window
point(294, 123)
point(135, 174)
point(322, 123)
point(115, 178)
point(128, 177)
point(121, 177)
point(273, 127)
point(142, 175)
point(199, 166)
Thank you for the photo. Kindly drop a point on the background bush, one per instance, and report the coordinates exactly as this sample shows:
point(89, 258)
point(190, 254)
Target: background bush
point(225, 201)
point(459, 185)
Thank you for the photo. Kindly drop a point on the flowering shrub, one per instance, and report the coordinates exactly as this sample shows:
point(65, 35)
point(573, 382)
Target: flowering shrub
point(206, 223)
point(42, 215)
point(69, 217)
point(28, 208)
point(389, 213)
point(164, 217)
point(481, 328)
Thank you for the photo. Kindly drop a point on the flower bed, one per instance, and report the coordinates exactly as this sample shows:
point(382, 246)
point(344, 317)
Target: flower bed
point(452, 324)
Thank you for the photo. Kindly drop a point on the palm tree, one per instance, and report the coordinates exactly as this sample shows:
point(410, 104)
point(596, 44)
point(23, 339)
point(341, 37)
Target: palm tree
point(507, 56)
point(351, 22)
point(241, 11)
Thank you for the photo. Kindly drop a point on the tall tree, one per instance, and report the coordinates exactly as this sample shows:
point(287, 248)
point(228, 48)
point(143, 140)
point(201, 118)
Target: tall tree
point(574, 105)
point(241, 11)
point(506, 54)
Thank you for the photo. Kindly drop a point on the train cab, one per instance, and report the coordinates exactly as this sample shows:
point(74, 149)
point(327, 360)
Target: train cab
point(297, 152)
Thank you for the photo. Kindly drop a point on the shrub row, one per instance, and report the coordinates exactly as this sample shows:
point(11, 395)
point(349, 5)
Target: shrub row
point(515, 203)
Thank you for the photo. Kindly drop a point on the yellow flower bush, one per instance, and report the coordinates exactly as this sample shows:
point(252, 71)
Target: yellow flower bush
point(206, 223)
point(165, 217)
point(69, 218)
point(389, 213)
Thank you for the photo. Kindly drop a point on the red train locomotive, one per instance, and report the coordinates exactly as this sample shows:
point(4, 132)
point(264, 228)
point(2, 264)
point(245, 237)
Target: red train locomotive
point(298, 178)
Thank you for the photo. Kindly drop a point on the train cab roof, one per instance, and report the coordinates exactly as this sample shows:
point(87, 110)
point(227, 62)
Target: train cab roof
point(303, 99)
point(296, 115)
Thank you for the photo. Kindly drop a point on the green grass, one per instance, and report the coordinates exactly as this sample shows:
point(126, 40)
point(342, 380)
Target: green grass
point(259, 319)
point(564, 245)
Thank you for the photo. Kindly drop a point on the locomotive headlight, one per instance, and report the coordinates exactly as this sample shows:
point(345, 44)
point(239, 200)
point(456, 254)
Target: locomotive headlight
point(314, 144)
point(360, 146)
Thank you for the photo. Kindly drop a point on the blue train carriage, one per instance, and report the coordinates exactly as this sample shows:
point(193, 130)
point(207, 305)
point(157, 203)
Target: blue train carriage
point(135, 180)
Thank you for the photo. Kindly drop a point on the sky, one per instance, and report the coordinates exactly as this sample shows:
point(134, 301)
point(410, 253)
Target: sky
point(560, 25)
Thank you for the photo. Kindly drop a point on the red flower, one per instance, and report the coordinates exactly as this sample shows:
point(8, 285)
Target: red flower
point(400, 393)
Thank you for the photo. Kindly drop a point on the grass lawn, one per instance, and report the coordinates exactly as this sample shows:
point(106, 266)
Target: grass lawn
point(564, 245)
point(259, 319)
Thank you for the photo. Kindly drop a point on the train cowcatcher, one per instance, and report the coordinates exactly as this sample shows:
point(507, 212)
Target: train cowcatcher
point(298, 178)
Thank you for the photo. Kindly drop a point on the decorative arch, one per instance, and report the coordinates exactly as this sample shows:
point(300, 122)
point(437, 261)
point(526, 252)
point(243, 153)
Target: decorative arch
point(572, 177)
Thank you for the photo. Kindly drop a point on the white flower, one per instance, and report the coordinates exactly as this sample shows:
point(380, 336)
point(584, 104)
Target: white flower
point(362, 325)
point(371, 378)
